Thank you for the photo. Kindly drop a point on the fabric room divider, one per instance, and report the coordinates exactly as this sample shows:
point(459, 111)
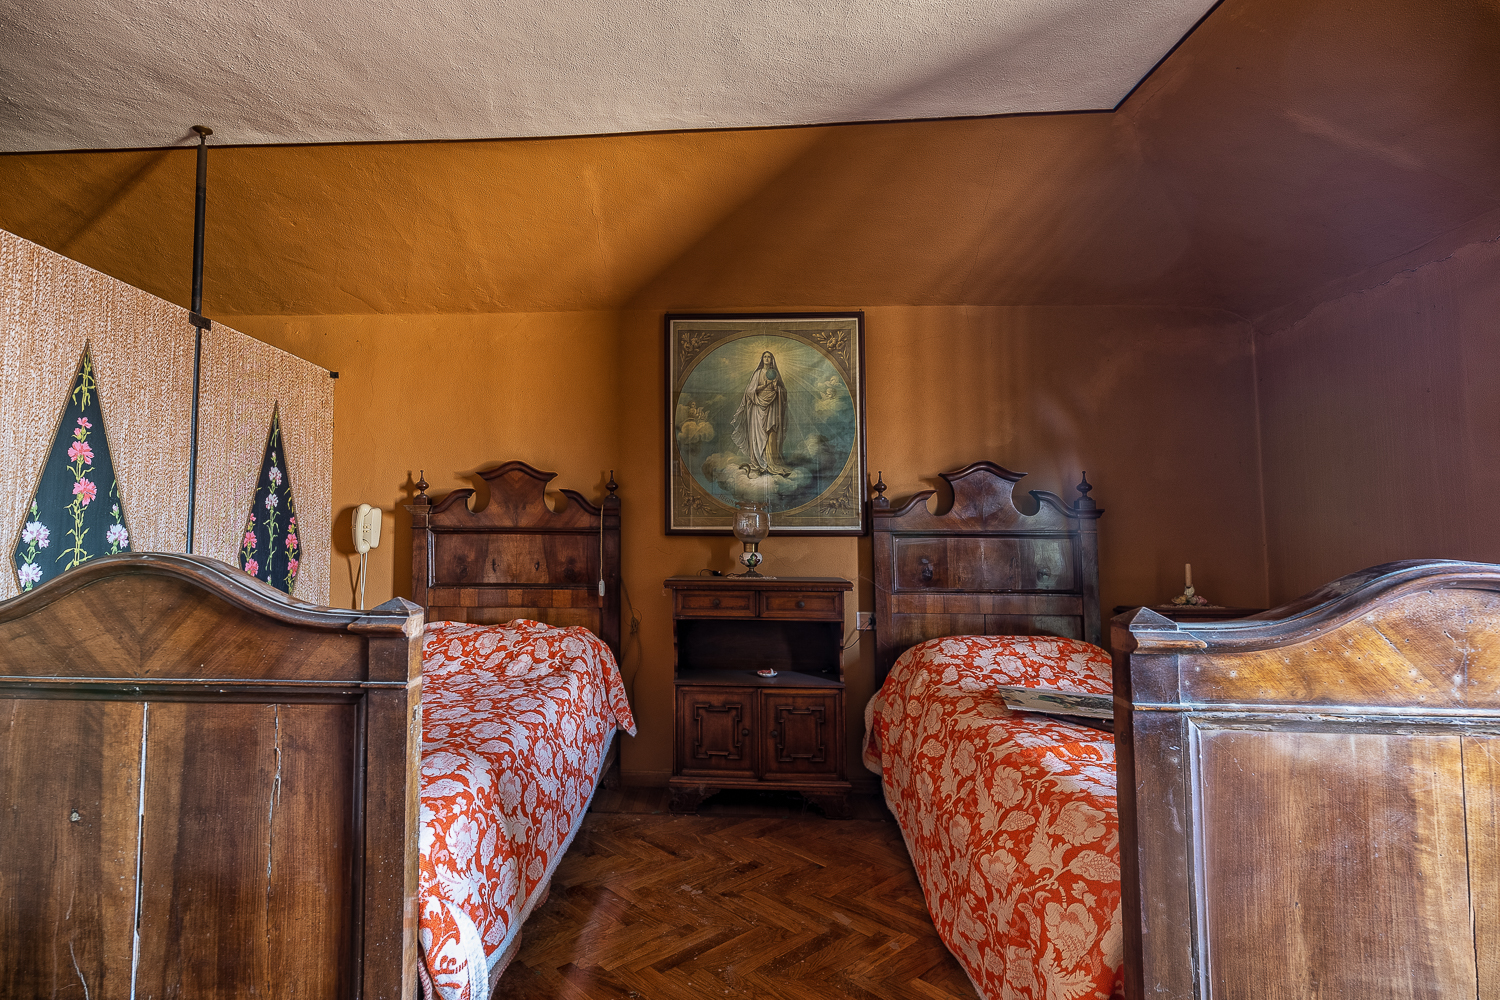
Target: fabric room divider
point(140, 349)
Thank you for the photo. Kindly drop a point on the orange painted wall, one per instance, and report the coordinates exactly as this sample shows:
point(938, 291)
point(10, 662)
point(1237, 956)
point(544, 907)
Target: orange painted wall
point(1381, 421)
point(1157, 405)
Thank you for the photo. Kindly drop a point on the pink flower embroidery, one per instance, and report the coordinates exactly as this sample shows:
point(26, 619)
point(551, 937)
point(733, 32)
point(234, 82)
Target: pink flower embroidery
point(250, 539)
point(252, 567)
point(293, 521)
point(291, 566)
point(81, 448)
point(86, 490)
point(291, 539)
point(84, 423)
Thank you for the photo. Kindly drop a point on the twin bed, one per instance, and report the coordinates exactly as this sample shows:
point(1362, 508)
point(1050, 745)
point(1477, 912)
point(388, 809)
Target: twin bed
point(1304, 803)
point(1010, 817)
point(214, 791)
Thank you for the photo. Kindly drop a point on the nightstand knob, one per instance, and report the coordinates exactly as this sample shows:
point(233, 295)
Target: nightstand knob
point(773, 733)
point(716, 602)
point(801, 604)
point(744, 732)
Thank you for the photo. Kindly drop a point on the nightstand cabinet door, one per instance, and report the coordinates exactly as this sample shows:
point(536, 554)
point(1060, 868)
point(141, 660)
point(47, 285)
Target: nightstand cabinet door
point(802, 735)
point(716, 731)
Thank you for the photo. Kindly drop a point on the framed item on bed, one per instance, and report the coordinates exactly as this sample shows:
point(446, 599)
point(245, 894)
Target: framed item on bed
point(770, 408)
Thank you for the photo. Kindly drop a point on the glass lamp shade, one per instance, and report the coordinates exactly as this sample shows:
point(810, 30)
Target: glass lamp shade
point(752, 522)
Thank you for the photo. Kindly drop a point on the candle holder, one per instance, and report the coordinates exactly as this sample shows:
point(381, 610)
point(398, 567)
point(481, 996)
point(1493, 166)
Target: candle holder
point(1189, 596)
point(752, 523)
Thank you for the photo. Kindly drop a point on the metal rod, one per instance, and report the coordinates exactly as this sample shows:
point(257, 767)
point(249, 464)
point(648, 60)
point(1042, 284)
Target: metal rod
point(200, 210)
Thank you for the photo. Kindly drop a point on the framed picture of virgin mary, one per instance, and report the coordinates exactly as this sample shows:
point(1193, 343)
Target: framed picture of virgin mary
point(767, 408)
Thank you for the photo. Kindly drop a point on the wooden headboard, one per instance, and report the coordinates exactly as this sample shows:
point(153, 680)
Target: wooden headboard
point(984, 567)
point(518, 558)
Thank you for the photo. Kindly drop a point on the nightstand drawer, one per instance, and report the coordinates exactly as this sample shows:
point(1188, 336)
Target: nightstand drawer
point(716, 603)
point(802, 604)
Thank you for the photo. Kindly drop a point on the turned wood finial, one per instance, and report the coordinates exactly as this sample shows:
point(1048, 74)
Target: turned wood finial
point(880, 488)
point(611, 486)
point(421, 496)
point(1084, 488)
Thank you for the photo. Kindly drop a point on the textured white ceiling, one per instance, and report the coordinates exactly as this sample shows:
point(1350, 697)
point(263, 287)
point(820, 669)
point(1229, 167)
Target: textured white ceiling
point(123, 73)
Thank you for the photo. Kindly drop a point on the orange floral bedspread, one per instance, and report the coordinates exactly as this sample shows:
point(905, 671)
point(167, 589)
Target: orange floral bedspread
point(1009, 816)
point(516, 722)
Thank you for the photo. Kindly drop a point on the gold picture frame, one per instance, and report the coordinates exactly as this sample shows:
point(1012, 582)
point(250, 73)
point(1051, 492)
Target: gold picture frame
point(767, 407)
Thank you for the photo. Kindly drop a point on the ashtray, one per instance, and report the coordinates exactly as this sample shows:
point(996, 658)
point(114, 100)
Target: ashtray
point(767, 672)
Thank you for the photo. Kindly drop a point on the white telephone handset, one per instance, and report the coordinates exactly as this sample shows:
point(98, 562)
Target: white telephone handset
point(366, 528)
point(366, 521)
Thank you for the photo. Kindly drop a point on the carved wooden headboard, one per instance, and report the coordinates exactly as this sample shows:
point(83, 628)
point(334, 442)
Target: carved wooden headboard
point(983, 567)
point(518, 558)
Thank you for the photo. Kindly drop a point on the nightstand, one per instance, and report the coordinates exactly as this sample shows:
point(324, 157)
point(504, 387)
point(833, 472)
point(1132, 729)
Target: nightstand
point(737, 729)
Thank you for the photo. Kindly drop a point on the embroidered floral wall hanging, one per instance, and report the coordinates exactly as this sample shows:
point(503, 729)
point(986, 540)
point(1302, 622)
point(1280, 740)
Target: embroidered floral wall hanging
point(269, 549)
point(76, 512)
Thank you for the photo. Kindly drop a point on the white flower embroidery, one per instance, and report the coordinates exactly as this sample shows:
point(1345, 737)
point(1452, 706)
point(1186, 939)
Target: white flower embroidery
point(35, 531)
point(31, 575)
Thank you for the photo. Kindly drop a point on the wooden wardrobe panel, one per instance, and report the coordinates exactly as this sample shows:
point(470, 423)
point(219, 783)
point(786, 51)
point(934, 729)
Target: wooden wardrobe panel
point(231, 903)
point(1482, 807)
point(67, 885)
point(1340, 853)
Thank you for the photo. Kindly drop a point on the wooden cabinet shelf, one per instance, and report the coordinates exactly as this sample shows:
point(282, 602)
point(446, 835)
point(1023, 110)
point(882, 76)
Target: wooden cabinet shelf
point(738, 729)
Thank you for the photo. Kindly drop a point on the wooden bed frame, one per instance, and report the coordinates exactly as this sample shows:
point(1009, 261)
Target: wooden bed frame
point(983, 567)
point(210, 789)
point(517, 557)
point(1310, 799)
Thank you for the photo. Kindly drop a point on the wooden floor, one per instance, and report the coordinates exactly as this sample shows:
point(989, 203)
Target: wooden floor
point(758, 896)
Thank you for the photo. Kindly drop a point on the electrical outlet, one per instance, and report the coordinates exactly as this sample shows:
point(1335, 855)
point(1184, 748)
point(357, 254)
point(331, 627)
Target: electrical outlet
point(864, 621)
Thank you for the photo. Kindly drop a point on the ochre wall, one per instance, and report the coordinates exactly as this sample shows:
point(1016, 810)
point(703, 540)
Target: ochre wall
point(1381, 421)
point(1157, 405)
point(451, 395)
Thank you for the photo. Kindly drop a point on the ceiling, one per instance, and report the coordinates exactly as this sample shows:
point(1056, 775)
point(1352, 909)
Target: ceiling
point(1283, 146)
point(99, 74)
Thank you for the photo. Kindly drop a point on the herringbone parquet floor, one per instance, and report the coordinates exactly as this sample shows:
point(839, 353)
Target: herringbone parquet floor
point(781, 906)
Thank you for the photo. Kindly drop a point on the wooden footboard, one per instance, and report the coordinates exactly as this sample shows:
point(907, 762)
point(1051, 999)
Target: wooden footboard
point(1308, 797)
point(210, 790)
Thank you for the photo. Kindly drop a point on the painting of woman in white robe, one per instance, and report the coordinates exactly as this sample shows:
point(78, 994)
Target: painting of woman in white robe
point(760, 423)
point(766, 412)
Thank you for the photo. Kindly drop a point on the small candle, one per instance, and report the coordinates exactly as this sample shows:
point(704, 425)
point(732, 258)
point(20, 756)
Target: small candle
point(1189, 575)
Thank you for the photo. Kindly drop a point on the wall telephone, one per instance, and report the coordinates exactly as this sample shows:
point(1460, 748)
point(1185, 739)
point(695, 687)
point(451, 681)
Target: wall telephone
point(366, 524)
